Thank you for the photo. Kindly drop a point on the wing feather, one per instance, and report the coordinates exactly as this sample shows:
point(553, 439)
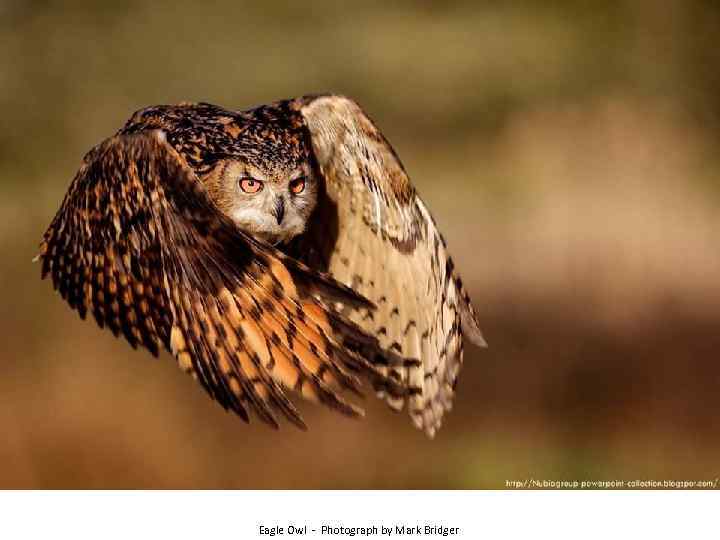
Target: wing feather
point(387, 247)
point(138, 243)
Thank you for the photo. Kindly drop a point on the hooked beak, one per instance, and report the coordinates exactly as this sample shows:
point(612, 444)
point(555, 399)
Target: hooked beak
point(279, 210)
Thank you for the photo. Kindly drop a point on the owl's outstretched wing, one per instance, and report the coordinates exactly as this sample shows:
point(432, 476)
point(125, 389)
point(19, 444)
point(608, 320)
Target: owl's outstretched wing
point(373, 233)
point(138, 243)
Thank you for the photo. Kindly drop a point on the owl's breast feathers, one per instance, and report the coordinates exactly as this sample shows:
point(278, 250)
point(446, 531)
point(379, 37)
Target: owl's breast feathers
point(139, 243)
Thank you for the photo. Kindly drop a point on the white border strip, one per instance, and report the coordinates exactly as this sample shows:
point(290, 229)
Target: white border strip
point(132, 515)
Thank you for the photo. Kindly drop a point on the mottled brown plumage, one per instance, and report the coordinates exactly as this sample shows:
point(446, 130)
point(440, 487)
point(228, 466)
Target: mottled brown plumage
point(154, 239)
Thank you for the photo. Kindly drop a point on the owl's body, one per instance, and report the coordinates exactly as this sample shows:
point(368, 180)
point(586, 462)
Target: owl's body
point(278, 248)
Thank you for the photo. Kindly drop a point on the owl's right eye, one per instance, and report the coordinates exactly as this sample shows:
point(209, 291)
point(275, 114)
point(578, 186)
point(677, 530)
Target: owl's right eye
point(250, 185)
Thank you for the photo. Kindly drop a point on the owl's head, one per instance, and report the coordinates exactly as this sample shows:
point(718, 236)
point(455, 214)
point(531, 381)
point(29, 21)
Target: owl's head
point(256, 164)
point(267, 187)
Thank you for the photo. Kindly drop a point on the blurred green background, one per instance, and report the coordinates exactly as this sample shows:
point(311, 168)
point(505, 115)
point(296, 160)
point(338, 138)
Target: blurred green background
point(568, 151)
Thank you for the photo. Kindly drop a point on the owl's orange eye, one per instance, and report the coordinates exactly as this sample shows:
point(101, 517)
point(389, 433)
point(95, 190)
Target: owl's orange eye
point(250, 185)
point(297, 185)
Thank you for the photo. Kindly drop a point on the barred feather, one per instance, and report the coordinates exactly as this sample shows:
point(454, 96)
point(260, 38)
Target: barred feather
point(388, 248)
point(142, 241)
point(139, 244)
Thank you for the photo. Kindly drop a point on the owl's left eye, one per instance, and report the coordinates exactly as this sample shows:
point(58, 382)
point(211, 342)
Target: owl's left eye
point(297, 185)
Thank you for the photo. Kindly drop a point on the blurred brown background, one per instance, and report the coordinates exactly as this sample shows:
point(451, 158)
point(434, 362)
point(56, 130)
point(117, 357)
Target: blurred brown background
point(567, 151)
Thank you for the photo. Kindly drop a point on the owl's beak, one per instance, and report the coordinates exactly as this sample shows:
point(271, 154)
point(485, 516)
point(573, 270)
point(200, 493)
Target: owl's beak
point(279, 209)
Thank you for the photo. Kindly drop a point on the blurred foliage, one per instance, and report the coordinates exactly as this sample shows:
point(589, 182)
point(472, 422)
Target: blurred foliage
point(568, 151)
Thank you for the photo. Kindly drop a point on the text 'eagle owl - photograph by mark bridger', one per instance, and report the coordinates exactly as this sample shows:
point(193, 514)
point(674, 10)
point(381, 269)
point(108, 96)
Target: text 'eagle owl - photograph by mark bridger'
point(276, 252)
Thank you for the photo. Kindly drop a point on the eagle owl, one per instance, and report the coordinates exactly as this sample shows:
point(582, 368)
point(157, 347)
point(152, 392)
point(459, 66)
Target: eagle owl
point(280, 248)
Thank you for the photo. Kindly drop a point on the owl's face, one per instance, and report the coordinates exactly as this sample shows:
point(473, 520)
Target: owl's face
point(270, 200)
point(255, 165)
